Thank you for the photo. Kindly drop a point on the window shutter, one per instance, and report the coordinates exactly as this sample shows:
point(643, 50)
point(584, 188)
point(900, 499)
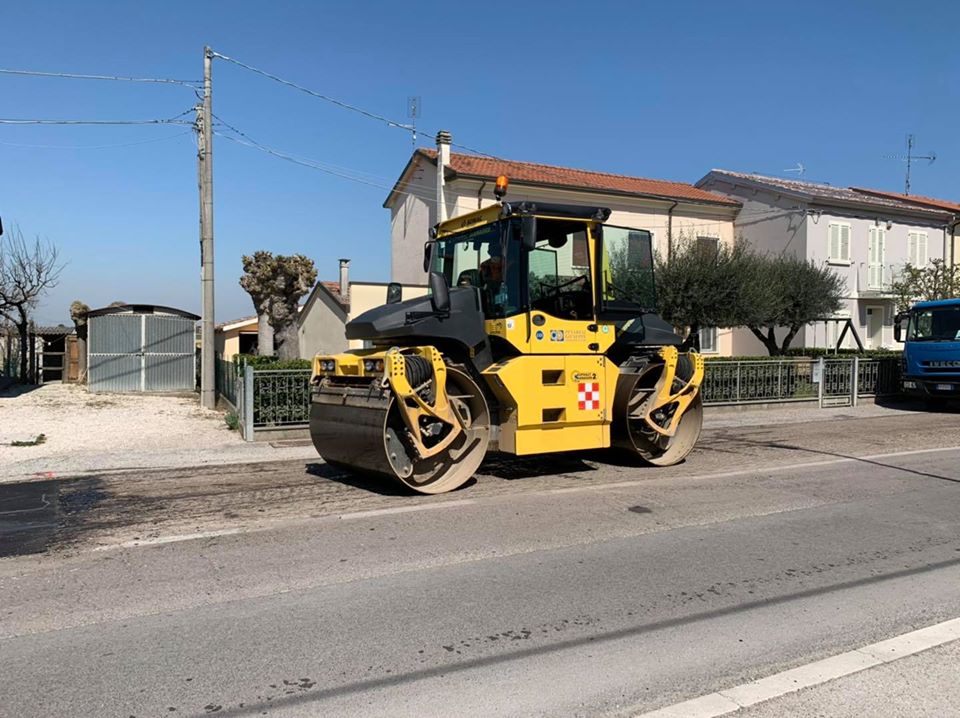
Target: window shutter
point(833, 248)
point(922, 256)
point(872, 259)
point(844, 242)
point(912, 251)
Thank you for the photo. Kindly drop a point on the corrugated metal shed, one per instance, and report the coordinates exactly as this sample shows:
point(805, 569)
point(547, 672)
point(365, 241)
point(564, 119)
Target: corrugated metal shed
point(141, 348)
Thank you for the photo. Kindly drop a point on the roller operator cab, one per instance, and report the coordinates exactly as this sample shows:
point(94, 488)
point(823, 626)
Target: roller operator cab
point(540, 335)
point(931, 354)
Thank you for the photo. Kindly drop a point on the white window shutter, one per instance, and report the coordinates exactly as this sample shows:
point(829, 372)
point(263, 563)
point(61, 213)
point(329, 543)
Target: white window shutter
point(833, 250)
point(912, 250)
point(922, 255)
point(844, 242)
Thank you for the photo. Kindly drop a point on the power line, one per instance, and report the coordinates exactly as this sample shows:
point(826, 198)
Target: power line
point(77, 76)
point(96, 147)
point(175, 120)
point(318, 95)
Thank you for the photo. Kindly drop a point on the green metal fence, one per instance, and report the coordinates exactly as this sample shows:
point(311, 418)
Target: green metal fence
point(270, 399)
point(828, 381)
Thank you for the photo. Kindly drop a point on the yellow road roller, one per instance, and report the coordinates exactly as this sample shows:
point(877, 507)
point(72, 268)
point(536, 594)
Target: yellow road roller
point(540, 334)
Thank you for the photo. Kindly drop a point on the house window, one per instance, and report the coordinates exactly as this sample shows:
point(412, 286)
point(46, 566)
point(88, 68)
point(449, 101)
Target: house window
point(581, 250)
point(917, 249)
point(639, 248)
point(708, 246)
point(708, 340)
point(839, 249)
point(876, 256)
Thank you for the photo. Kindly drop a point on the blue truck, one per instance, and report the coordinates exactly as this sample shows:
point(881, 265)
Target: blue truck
point(931, 354)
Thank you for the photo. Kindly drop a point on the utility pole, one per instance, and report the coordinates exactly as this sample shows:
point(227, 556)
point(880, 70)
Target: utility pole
point(208, 393)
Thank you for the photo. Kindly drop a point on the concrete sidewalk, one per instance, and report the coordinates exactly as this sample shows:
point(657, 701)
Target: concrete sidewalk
point(926, 685)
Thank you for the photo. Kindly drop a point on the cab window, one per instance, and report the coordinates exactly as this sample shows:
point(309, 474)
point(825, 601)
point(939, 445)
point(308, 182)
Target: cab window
point(483, 258)
point(559, 270)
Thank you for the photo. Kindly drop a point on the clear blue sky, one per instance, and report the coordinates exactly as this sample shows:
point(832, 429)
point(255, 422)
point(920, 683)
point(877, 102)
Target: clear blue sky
point(665, 90)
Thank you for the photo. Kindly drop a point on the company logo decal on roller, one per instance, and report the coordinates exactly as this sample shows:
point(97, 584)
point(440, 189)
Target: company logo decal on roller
point(588, 396)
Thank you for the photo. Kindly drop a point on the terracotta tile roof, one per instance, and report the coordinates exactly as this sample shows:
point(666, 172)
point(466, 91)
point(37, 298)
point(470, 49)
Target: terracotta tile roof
point(333, 288)
point(240, 320)
point(912, 199)
point(551, 175)
point(819, 191)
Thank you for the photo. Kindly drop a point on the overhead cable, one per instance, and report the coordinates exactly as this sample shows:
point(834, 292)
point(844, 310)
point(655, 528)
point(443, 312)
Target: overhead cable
point(119, 78)
point(319, 95)
point(175, 120)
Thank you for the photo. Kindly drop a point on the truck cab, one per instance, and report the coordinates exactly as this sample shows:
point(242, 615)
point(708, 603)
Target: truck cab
point(931, 332)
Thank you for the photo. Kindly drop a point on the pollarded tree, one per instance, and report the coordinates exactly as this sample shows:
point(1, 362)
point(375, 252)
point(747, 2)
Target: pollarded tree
point(258, 273)
point(276, 284)
point(78, 312)
point(938, 280)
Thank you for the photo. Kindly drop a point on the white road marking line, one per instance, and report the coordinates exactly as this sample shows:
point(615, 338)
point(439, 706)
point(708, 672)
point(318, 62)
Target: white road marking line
point(285, 524)
point(403, 509)
point(168, 539)
point(733, 699)
point(755, 470)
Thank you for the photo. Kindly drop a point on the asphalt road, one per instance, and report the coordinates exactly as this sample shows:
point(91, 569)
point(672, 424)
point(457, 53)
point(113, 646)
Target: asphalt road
point(567, 586)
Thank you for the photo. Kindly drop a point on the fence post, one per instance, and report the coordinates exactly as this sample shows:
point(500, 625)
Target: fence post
point(822, 370)
point(739, 364)
point(855, 380)
point(779, 379)
point(248, 402)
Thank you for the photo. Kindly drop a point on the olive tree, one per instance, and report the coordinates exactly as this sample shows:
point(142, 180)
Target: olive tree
point(790, 293)
point(707, 284)
point(276, 284)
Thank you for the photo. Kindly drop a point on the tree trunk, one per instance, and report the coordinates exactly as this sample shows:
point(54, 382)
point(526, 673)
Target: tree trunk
point(264, 335)
point(288, 341)
point(23, 328)
point(794, 329)
point(769, 339)
point(81, 353)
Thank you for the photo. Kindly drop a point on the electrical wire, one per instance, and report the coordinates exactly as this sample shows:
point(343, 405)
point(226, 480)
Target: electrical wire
point(175, 120)
point(318, 95)
point(96, 147)
point(119, 78)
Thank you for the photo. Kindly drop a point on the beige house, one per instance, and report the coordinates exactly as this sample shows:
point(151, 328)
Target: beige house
point(238, 336)
point(671, 211)
point(332, 304)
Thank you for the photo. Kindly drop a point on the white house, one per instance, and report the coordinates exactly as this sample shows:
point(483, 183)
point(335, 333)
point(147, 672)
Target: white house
point(864, 237)
point(669, 210)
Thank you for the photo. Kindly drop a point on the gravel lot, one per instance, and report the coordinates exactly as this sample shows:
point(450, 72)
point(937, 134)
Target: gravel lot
point(95, 432)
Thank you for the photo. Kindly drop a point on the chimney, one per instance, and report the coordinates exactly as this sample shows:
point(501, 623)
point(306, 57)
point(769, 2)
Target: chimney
point(443, 160)
point(344, 279)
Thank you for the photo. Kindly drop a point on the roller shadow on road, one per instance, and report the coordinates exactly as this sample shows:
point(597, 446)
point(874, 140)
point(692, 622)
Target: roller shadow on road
point(860, 459)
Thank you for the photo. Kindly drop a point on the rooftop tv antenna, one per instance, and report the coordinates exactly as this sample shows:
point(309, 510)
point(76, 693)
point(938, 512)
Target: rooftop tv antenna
point(799, 169)
point(413, 112)
point(909, 159)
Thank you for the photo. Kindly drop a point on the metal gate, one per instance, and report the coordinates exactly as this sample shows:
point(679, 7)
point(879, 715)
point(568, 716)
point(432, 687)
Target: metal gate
point(141, 352)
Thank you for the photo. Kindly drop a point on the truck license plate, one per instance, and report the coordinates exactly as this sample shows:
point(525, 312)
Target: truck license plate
point(944, 387)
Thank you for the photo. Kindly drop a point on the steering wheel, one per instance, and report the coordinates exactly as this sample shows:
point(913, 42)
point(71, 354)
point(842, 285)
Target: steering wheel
point(557, 287)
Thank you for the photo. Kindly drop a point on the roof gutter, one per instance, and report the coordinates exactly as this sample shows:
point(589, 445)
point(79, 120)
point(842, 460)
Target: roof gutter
point(670, 230)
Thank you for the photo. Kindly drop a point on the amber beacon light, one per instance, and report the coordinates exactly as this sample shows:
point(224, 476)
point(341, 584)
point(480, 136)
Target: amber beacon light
point(500, 188)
